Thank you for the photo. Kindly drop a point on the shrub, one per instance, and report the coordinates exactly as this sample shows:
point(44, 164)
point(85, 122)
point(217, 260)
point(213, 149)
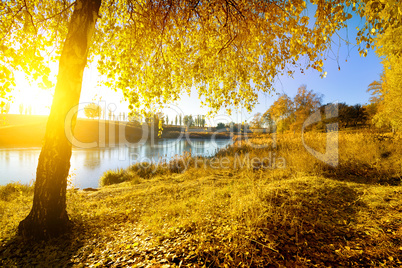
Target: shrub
point(144, 170)
point(177, 164)
point(8, 191)
point(114, 176)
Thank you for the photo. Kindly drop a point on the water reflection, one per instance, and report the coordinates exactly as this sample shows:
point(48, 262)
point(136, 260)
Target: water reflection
point(18, 164)
point(88, 165)
point(92, 158)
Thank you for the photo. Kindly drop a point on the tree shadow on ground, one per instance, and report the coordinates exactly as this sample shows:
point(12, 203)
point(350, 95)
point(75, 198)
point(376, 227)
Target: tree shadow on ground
point(363, 173)
point(320, 227)
point(55, 252)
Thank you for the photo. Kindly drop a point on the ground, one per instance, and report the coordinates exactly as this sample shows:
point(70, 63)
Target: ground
point(303, 214)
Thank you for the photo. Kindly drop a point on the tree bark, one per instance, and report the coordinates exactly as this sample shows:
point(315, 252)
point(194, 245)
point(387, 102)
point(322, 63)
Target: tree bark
point(48, 216)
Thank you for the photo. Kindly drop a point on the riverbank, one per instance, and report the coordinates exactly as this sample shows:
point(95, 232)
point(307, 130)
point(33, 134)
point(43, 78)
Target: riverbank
point(172, 134)
point(29, 130)
point(277, 206)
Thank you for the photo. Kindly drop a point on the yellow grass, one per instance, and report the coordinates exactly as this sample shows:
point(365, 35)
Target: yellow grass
point(304, 213)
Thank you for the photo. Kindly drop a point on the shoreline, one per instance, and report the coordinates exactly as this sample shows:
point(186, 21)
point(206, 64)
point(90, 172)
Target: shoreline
point(29, 131)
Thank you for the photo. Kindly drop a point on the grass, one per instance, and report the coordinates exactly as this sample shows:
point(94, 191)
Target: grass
point(113, 177)
point(296, 212)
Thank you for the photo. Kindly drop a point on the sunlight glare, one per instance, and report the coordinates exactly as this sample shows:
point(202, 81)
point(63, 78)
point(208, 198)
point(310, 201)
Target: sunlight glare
point(30, 95)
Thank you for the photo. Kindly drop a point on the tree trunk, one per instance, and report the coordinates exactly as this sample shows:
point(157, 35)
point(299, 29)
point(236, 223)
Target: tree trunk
point(48, 216)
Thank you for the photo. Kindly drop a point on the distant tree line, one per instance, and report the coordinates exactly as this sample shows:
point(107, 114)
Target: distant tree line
point(287, 114)
point(179, 120)
point(23, 109)
point(93, 110)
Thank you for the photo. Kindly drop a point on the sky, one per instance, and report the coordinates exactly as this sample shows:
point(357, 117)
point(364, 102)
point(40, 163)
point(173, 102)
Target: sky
point(347, 79)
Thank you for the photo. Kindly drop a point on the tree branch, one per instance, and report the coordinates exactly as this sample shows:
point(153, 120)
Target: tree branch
point(11, 24)
point(30, 16)
point(227, 43)
point(59, 13)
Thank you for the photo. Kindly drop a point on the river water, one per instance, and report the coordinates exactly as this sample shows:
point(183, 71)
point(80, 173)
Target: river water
point(88, 165)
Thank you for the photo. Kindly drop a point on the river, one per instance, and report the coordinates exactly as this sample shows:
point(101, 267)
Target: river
point(88, 165)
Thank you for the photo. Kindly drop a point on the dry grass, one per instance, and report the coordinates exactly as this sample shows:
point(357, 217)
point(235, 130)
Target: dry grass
point(303, 214)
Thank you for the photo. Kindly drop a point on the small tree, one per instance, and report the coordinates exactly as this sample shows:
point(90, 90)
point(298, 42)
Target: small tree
point(305, 103)
point(185, 120)
point(4, 107)
point(188, 120)
point(110, 114)
point(92, 110)
point(280, 115)
point(220, 125)
point(257, 121)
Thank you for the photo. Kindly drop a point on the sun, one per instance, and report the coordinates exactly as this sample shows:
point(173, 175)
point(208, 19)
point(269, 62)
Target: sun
point(29, 98)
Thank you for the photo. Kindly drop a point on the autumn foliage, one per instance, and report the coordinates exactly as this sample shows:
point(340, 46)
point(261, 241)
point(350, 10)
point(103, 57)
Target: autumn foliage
point(92, 110)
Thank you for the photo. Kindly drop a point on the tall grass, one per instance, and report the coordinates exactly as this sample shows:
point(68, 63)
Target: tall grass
point(190, 211)
point(15, 202)
point(361, 157)
point(114, 177)
point(13, 190)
